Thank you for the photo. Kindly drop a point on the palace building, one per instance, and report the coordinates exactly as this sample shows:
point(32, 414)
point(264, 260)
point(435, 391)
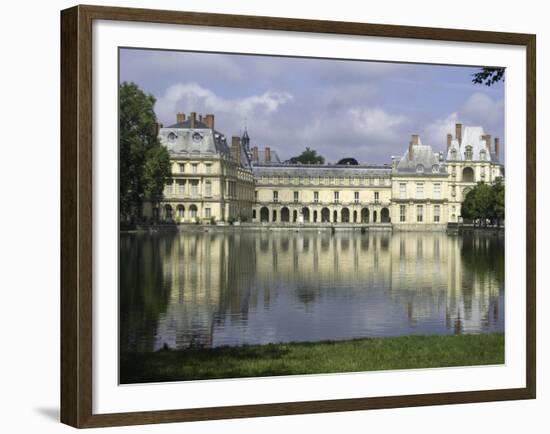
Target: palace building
point(213, 181)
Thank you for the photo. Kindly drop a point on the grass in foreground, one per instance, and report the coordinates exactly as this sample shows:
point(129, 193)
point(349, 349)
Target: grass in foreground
point(406, 352)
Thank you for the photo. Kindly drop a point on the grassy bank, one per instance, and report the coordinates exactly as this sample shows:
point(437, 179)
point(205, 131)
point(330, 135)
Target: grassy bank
point(405, 352)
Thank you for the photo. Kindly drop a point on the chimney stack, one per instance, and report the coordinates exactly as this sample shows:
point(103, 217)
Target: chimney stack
point(267, 154)
point(497, 148)
point(414, 139)
point(488, 141)
point(254, 153)
point(449, 141)
point(209, 120)
point(410, 155)
point(192, 119)
point(458, 134)
point(180, 117)
point(236, 148)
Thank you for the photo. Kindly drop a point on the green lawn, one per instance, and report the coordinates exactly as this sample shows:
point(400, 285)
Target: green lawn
point(407, 352)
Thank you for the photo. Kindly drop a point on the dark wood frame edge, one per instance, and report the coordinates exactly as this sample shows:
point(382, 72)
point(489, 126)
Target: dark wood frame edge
point(76, 215)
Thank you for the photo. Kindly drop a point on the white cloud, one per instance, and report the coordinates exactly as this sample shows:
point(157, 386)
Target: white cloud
point(478, 110)
point(376, 123)
point(187, 97)
point(482, 110)
point(435, 133)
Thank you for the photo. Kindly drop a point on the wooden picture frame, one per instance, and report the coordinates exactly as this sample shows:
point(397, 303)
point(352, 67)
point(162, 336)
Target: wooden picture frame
point(76, 214)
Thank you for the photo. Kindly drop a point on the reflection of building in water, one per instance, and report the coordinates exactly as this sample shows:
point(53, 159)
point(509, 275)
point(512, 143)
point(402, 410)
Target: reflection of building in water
point(194, 265)
point(439, 284)
point(431, 276)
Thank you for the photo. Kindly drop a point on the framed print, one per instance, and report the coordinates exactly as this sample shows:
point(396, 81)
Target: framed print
point(267, 216)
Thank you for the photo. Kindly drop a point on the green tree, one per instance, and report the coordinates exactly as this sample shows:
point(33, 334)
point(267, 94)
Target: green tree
point(309, 156)
point(488, 76)
point(497, 191)
point(144, 163)
point(467, 210)
point(483, 202)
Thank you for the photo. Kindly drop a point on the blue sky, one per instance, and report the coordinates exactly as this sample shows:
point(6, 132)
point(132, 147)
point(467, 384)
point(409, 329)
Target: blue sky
point(341, 108)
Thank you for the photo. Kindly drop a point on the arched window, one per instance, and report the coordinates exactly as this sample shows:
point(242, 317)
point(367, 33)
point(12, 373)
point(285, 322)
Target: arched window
point(264, 214)
point(385, 215)
point(285, 214)
point(468, 174)
point(365, 215)
point(168, 212)
point(419, 168)
point(180, 211)
point(345, 215)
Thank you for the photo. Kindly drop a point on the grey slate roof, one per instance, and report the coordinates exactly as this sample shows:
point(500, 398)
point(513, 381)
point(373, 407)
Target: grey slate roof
point(322, 170)
point(424, 162)
point(184, 140)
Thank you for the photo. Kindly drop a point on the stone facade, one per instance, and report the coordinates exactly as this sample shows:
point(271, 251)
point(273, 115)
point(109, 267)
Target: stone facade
point(211, 180)
point(421, 190)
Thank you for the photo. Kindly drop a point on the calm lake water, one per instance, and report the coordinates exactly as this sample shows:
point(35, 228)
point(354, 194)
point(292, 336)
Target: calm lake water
point(211, 289)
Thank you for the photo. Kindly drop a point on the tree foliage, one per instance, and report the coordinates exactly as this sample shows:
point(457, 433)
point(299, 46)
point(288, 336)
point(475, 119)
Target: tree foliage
point(488, 76)
point(309, 156)
point(484, 203)
point(144, 164)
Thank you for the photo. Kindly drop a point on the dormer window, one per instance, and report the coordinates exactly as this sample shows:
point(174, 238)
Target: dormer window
point(468, 155)
point(419, 168)
point(435, 168)
point(172, 137)
point(482, 154)
point(453, 154)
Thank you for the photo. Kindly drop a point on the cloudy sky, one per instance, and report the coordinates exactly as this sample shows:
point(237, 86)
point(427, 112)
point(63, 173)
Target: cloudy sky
point(341, 108)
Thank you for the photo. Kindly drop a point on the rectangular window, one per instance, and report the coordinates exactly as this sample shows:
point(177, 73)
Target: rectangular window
point(256, 195)
point(437, 213)
point(420, 191)
point(316, 196)
point(295, 196)
point(402, 191)
point(376, 197)
point(195, 168)
point(207, 213)
point(356, 197)
point(437, 191)
point(181, 188)
point(182, 167)
point(419, 213)
point(194, 188)
point(336, 196)
point(209, 168)
point(402, 213)
point(275, 196)
point(208, 188)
